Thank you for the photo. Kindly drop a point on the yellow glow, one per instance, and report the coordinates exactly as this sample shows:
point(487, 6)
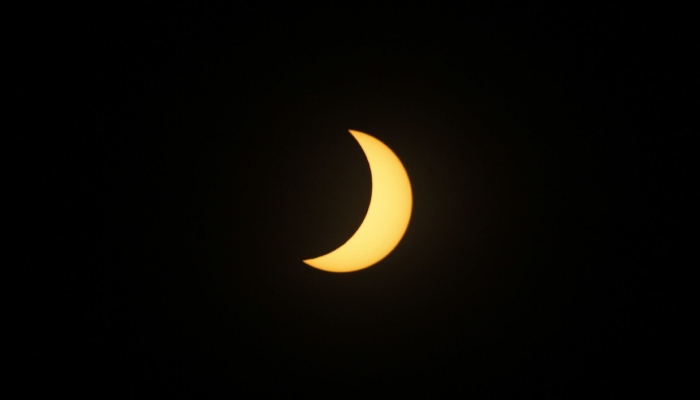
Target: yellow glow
point(387, 216)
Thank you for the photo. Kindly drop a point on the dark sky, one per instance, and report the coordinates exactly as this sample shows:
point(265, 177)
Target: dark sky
point(194, 157)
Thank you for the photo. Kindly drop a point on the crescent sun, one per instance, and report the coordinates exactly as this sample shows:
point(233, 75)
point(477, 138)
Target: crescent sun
point(387, 216)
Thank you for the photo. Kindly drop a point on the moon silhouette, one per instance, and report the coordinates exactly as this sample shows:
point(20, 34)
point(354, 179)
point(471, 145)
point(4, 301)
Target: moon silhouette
point(387, 216)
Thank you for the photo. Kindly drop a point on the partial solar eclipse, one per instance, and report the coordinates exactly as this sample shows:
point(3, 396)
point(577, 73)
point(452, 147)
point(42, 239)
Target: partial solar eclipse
point(387, 216)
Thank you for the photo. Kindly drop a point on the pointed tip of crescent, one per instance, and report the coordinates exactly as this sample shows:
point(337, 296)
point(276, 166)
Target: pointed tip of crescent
point(355, 133)
point(310, 262)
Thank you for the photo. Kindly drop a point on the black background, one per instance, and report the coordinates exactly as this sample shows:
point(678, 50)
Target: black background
point(184, 160)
